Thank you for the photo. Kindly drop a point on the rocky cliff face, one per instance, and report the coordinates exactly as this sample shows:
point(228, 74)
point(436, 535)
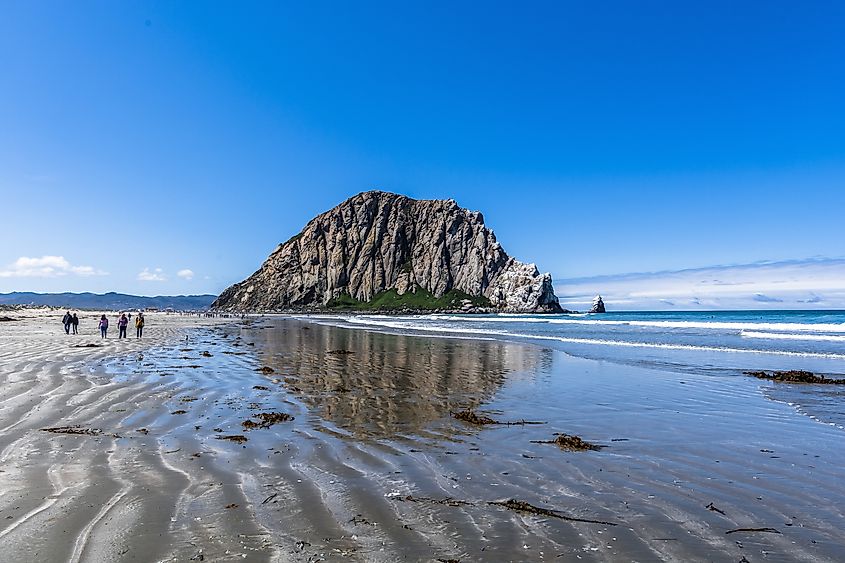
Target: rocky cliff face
point(376, 242)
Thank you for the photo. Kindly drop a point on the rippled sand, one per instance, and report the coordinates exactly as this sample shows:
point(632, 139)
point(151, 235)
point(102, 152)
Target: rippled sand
point(374, 468)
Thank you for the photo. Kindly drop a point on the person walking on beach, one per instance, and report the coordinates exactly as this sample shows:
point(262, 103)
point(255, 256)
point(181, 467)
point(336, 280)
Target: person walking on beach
point(139, 325)
point(122, 323)
point(66, 321)
point(74, 322)
point(104, 326)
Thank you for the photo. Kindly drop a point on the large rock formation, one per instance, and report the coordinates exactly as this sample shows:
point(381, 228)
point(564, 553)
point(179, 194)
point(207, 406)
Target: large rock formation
point(381, 247)
point(598, 305)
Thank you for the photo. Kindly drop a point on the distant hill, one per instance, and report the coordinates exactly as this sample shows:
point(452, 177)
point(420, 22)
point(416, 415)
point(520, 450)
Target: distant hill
point(108, 301)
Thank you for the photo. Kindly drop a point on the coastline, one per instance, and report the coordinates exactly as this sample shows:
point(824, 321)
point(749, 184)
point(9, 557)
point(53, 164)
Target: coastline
point(306, 311)
point(374, 468)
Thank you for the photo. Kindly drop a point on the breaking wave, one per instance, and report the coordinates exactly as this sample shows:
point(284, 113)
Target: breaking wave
point(412, 324)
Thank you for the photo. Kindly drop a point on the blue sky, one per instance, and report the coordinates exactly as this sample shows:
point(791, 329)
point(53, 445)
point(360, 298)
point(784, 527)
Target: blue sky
point(143, 139)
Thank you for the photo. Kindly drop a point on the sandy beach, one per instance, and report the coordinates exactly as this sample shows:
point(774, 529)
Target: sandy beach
point(149, 457)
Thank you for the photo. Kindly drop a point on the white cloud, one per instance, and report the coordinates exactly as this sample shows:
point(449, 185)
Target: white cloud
point(152, 275)
point(794, 284)
point(47, 267)
point(185, 274)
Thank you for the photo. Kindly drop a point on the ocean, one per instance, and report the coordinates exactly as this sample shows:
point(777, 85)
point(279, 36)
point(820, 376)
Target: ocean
point(702, 344)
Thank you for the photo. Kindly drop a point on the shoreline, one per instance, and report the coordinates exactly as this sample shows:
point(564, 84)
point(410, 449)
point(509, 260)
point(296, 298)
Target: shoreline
point(373, 467)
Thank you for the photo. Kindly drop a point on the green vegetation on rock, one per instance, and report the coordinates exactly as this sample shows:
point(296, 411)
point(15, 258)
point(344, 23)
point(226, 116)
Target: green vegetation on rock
point(293, 238)
point(420, 299)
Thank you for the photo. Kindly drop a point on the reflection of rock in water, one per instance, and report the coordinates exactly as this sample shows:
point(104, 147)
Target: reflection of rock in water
point(374, 383)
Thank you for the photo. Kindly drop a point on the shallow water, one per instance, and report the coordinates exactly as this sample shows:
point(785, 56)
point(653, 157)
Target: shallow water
point(674, 441)
point(726, 343)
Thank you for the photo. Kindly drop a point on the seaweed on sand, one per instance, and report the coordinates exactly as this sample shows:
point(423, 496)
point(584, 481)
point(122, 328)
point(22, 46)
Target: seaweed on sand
point(271, 418)
point(266, 420)
point(713, 508)
point(570, 442)
point(524, 507)
point(77, 431)
point(250, 425)
point(448, 501)
point(266, 370)
point(765, 530)
point(794, 376)
point(472, 417)
point(512, 504)
point(236, 438)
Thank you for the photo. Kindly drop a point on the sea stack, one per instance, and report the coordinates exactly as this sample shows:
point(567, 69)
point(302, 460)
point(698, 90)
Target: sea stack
point(598, 305)
point(384, 251)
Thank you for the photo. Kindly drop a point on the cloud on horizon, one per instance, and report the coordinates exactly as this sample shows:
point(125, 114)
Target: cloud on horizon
point(186, 274)
point(155, 275)
point(792, 284)
point(47, 267)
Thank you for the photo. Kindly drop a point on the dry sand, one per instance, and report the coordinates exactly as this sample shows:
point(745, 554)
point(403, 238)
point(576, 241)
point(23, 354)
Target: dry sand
point(373, 467)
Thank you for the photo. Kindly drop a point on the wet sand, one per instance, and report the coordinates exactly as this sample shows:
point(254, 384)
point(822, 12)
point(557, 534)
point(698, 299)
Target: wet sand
point(373, 467)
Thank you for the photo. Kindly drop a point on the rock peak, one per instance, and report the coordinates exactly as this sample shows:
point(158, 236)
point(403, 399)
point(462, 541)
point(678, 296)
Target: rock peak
point(388, 250)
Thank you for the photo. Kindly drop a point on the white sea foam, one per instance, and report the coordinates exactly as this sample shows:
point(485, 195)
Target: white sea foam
point(787, 336)
point(709, 325)
point(485, 335)
point(409, 324)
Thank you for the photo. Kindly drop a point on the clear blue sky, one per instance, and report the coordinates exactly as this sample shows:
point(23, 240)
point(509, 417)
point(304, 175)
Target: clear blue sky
point(597, 138)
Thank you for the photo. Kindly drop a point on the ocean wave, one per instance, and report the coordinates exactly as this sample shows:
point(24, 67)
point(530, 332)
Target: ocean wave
point(709, 325)
point(787, 336)
point(457, 332)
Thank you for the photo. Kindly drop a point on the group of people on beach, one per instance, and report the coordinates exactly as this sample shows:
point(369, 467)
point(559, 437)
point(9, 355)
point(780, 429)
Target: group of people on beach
point(71, 323)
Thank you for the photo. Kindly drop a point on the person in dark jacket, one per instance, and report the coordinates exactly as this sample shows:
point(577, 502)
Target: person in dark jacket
point(66, 321)
point(74, 322)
